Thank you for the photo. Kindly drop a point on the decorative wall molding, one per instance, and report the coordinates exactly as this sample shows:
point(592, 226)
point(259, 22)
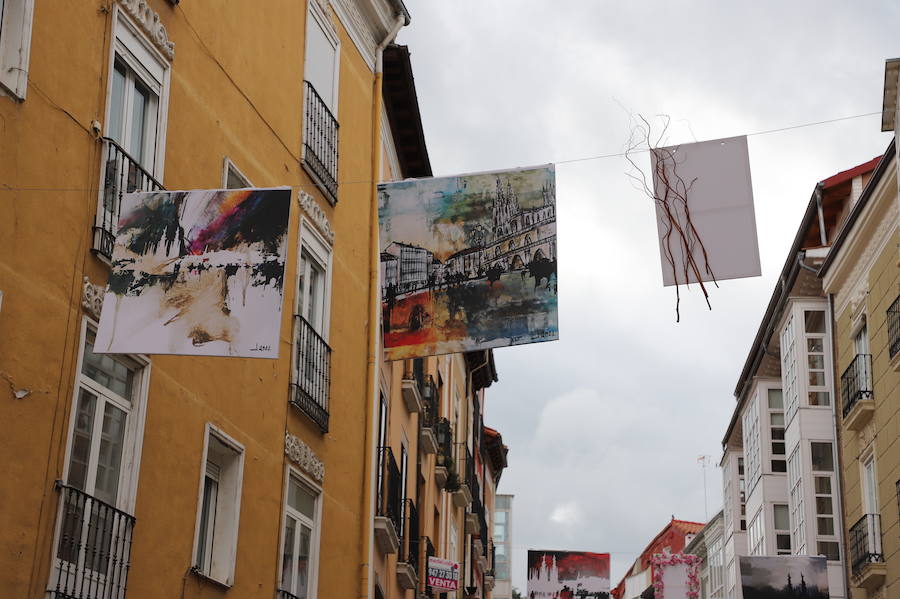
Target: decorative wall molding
point(150, 23)
point(92, 297)
point(856, 282)
point(301, 454)
point(316, 215)
point(359, 29)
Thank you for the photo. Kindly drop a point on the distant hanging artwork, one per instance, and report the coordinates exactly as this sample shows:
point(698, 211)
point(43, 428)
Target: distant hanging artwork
point(197, 273)
point(557, 574)
point(468, 262)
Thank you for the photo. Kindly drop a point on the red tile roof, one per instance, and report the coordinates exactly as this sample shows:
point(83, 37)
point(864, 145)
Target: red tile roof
point(844, 176)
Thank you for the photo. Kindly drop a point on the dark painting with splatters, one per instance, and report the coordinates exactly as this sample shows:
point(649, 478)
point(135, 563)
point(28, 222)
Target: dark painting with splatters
point(784, 577)
point(197, 273)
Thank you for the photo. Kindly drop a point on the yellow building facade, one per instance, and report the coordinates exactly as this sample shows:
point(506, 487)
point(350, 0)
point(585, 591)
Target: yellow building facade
point(172, 476)
point(437, 465)
point(862, 278)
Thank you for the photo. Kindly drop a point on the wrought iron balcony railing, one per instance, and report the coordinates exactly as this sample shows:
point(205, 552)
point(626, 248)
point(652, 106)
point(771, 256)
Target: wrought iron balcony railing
point(388, 501)
point(444, 432)
point(466, 467)
point(430, 401)
point(93, 554)
point(320, 141)
point(409, 535)
point(893, 324)
point(282, 594)
point(865, 542)
point(856, 382)
point(310, 392)
point(121, 174)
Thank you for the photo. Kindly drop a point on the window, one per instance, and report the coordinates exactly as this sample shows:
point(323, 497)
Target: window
point(818, 387)
point(15, 45)
point(751, 443)
point(869, 485)
point(219, 505)
point(795, 503)
point(727, 498)
point(312, 355)
point(321, 62)
point(789, 369)
point(822, 458)
point(135, 114)
point(300, 538)
point(776, 430)
point(716, 574)
point(782, 525)
point(232, 177)
point(730, 580)
point(742, 493)
point(452, 552)
point(756, 535)
point(861, 345)
point(106, 429)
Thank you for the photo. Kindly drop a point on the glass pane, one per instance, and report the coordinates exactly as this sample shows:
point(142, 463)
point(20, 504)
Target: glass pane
point(778, 434)
point(814, 345)
point(822, 460)
point(819, 398)
point(110, 372)
point(302, 572)
point(784, 542)
point(816, 361)
point(815, 321)
point(776, 401)
point(782, 519)
point(301, 285)
point(287, 558)
point(116, 103)
point(110, 457)
point(829, 549)
point(776, 418)
point(817, 379)
point(139, 110)
point(500, 517)
point(823, 485)
point(823, 506)
point(301, 498)
point(207, 523)
point(81, 440)
point(779, 466)
point(825, 526)
point(778, 448)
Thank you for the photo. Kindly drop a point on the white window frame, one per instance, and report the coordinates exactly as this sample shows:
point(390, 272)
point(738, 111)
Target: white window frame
point(756, 538)
point(15, 46)
point(133, 47)
point(751, 440)
point(780, 531)
point(132, 445)
point(228, 165)
point(869, 496)
point(796, 503)
point(833, 495)
point(316, 17)
point(825, 338)
point(232, 526)
point(770, 427)
point(315, 539)
point(791, 392)
point(137, 415)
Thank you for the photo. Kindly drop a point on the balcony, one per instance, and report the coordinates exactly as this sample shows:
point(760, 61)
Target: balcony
point(445, 470)
point(428, 416)
point(856, 392)
point(320, 142)
point(893, 328)
point(408, 556)
point(462, 496)
point(412, 385)
point(388, 508)
point(282, 594)
point(93, 554)
point(866, 556)
point(310, 392)
point(120, 174)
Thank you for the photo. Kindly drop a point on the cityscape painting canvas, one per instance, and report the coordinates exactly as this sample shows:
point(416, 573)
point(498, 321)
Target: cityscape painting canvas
point(784, 577)
point(568, 575)
point(197, 273)
point(468, 262)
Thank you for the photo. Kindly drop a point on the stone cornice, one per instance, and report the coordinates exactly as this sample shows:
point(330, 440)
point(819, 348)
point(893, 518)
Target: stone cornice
point(304, 457)
point(150, 23)
point(367, 22)
point(316, 215)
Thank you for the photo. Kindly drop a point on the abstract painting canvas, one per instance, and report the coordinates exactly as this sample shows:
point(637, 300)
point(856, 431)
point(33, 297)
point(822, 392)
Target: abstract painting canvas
point(568, 575)
point(197, 273)
point(705, 215)
point(784, 577)
point(468, 262)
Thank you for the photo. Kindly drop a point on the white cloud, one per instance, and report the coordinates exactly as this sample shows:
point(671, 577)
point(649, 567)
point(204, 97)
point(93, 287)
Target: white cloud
point(567, 514)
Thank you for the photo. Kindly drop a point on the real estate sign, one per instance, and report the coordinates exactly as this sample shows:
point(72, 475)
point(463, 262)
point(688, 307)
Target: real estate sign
point(443, 574)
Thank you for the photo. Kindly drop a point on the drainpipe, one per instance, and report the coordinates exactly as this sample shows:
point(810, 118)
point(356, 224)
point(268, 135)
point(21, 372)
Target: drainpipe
point(823, 235)
point(367, 551)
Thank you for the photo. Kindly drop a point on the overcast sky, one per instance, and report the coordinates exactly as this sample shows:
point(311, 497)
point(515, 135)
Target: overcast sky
point(605, 425)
